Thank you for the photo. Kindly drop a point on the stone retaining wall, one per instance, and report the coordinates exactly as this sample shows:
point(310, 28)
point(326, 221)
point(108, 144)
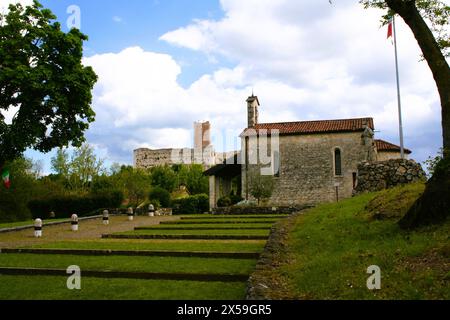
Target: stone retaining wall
point(264, 284)
point(386, 174)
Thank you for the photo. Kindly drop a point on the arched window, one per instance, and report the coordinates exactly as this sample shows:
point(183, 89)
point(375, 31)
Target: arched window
point(337, 162)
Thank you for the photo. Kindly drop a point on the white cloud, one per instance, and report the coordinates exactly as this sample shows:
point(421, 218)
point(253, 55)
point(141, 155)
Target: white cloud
point(140, 104)
point(311, 60)
point(305, 60)
point(117, 19)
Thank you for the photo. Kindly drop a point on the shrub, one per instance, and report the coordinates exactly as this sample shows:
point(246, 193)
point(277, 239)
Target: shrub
point(12, 209)
point(224, 202)
point(235, 199)
point(202, 202)
point(191, 205)
point(65, 206)
point(155, 204)
point(160, 195)
point(164, 177)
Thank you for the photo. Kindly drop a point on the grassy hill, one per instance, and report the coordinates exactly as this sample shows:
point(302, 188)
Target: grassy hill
point(327, 251)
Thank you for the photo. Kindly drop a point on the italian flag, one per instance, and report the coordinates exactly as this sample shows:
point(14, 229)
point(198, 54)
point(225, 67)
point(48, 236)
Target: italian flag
point(5, 178)
point(390, 33)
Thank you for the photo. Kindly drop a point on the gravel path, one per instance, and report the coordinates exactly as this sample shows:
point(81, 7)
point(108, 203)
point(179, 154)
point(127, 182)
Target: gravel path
point(89, 230)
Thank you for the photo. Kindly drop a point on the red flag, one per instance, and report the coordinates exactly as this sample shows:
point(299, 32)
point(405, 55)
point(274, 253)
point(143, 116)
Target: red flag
point(390, 29)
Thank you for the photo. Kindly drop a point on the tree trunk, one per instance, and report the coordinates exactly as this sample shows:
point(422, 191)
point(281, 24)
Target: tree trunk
point(432, 54)
point(434, 205)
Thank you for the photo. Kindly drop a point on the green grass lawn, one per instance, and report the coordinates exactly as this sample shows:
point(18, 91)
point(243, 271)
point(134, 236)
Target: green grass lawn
point(54, 288)
point(198, 232)
point(126, 263)
point(211, 226)
point(26, 223)
point(172, 245)
point(332, 246)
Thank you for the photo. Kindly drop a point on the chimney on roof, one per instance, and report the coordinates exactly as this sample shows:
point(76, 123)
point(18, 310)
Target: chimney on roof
point(252, 110)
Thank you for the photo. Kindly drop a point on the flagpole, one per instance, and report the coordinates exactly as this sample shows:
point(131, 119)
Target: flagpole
point(400, 119)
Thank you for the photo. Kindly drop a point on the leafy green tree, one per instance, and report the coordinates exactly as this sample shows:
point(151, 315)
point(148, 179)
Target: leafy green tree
point(193, 178)
point(261, 187)
point(79, 172)
point(164, 177)
point(41, 78)
point(84, 167)
point(103, 183)
point(135, 184)
point(197, 182)
point(429, 22)
point(115, 168)
point(60, 163)
point(433, 162)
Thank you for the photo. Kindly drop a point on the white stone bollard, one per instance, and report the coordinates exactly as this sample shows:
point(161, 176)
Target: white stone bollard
point(151, 210)
point(38, 228)
point(74, 219)
point(130, 214)
point(106, 217)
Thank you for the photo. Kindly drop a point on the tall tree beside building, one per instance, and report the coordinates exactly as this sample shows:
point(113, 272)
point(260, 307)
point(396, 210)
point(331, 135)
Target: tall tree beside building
point(429, 22)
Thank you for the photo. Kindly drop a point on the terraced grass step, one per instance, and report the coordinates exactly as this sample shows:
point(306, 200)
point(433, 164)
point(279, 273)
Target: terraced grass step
point(205, 227)
point(266, 216)
point(183, 236)
point(216, 232)
point(130, 264)
point(220, 221)
point(55, 288)
point(93, 252)
point(168, 245)
point(127, 275)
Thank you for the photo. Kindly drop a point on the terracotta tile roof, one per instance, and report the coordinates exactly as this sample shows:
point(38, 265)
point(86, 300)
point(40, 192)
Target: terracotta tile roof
point(312, 127)
point(389, 147)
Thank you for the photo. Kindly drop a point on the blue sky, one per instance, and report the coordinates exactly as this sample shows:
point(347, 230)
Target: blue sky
point(115, 25)
point(163, 64)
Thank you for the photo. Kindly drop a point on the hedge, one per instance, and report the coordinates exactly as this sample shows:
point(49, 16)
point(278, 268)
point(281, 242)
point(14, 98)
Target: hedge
point(191, 205)
point(159, 196)
point(64, 207)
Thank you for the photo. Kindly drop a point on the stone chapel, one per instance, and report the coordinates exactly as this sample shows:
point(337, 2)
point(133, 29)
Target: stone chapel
point(310, 162)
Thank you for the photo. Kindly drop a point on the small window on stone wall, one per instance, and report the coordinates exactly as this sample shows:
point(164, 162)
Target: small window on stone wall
point(337, 162)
